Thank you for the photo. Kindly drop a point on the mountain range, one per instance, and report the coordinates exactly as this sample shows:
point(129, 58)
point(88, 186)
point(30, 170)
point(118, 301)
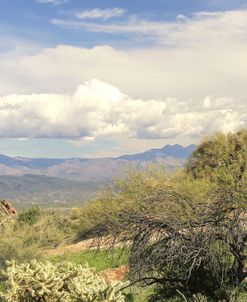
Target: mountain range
point(62, 182)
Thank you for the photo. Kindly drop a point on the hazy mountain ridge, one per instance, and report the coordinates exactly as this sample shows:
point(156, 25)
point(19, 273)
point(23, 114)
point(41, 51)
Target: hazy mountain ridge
point(84, 168)
point(73, 180)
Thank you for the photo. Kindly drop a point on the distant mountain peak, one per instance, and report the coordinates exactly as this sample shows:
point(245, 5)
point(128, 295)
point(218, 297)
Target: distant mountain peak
point(176, 151)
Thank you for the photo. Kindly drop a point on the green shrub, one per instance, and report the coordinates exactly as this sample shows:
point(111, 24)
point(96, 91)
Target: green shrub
point(130, 194)
point(48, 282)
point(46, 228)
point(30, 216)
point(13, 245)
point(34, 230)
point(126, 193)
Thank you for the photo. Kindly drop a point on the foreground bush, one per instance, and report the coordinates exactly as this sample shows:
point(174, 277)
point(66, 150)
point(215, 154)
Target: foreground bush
point(39, 281)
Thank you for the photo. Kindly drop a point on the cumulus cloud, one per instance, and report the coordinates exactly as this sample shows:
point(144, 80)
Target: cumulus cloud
point(145, 73)
point(97, 109)
point(98, 13)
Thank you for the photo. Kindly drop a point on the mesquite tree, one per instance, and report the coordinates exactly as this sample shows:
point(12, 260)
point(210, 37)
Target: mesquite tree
point(194, 245)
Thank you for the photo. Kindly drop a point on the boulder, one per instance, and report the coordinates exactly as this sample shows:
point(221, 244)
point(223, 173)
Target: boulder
point(6, 210)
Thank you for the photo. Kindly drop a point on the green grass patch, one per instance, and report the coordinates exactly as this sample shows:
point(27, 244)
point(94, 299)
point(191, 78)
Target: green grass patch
point(100, 260)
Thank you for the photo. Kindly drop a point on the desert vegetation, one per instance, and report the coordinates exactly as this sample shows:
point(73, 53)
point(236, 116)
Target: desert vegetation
point(183, 235)
point(61, 282)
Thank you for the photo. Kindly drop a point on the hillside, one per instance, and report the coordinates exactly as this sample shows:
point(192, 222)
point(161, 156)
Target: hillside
point(30, 189)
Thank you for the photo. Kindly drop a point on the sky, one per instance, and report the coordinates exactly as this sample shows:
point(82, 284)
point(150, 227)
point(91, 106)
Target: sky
point(96, 78)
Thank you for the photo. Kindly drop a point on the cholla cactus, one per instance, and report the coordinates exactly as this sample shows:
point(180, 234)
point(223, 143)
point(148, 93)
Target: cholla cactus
point(238, 296)
point(200, 298)
point(64, 282)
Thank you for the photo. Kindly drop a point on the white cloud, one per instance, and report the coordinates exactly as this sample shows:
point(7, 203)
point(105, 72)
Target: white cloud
point(97, 13)
point(97, 109)
point(55, 2)
point(203, 27)
point(145, 73)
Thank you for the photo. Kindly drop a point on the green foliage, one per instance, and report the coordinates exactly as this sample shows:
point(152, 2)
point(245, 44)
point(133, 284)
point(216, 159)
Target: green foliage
point(45, 228)
point(125, 194)
point(13, 245)
point(219, 151)
point(30, 216)
point(48, 282)
point(222, 159)
point(129, 194)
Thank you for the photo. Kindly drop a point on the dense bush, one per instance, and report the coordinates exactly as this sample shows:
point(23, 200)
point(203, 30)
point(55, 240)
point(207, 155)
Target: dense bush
point(47, 282)
point(219, 154)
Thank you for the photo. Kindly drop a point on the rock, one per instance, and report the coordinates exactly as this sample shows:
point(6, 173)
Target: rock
point(6, 210)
